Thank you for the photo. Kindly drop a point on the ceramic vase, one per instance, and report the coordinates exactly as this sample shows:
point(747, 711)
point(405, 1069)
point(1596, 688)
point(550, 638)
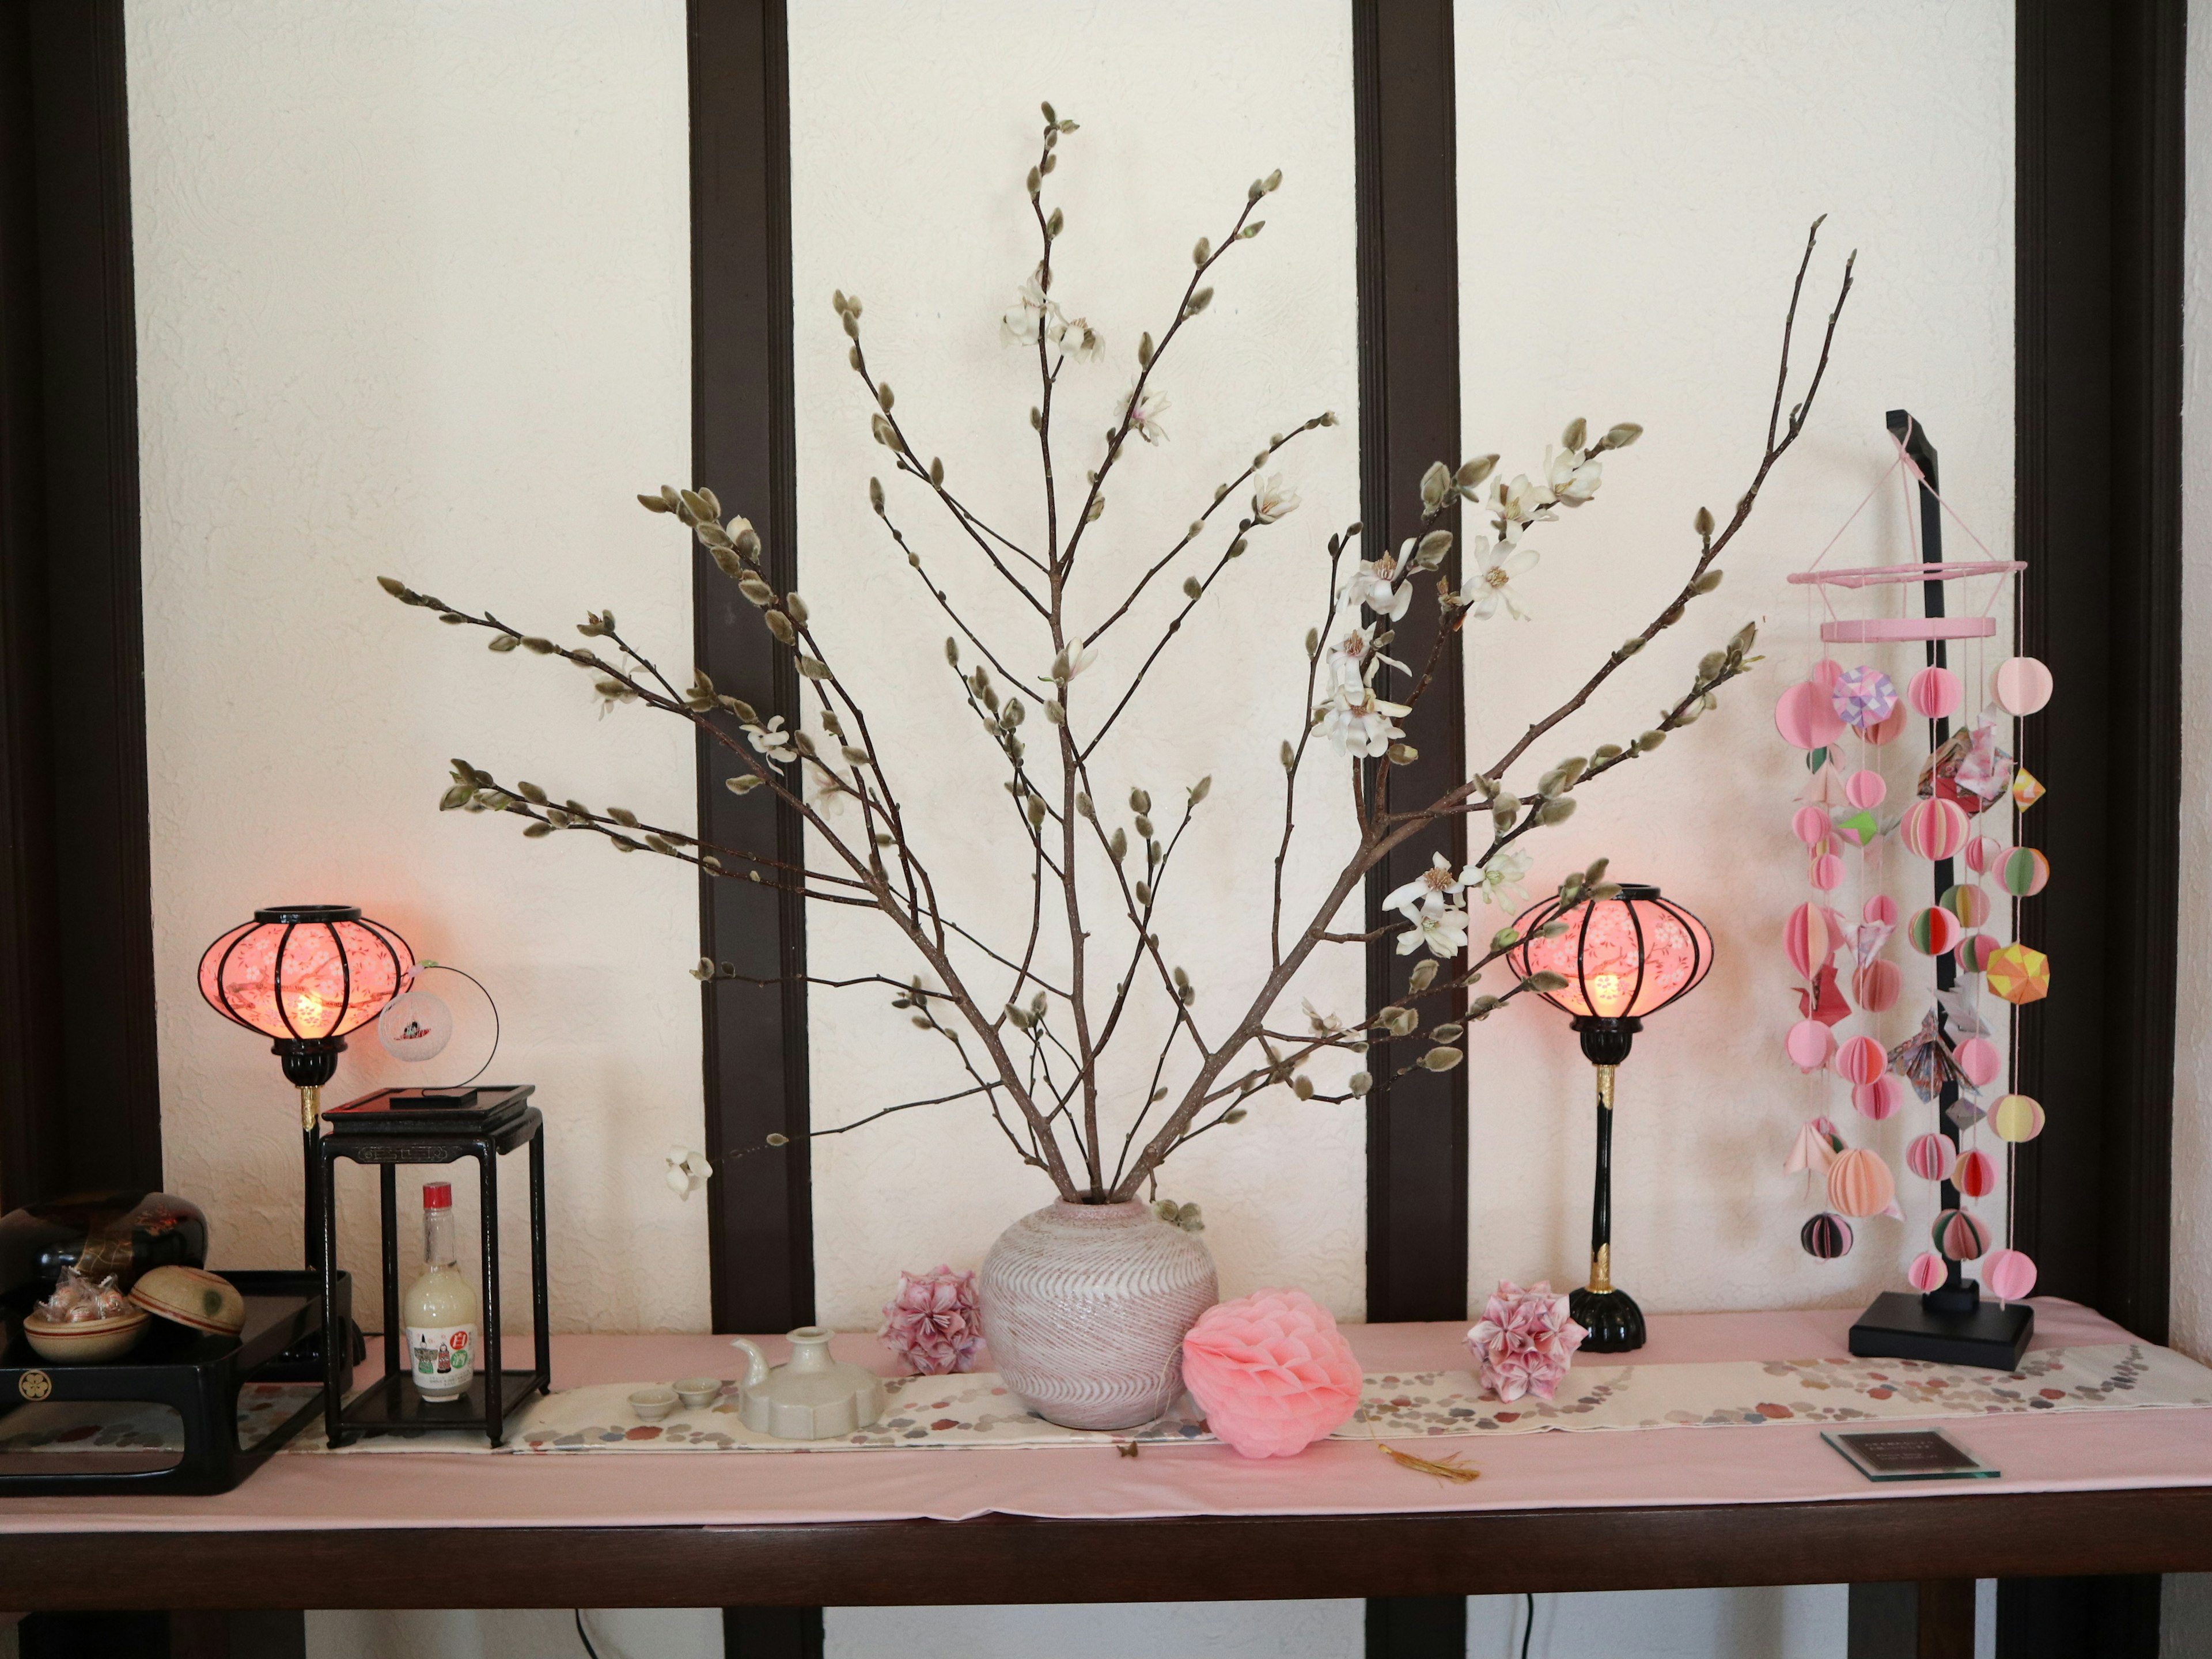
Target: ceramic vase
point(1085, 1307)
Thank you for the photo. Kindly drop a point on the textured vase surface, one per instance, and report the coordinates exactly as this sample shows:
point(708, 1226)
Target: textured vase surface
point(1085, 1306)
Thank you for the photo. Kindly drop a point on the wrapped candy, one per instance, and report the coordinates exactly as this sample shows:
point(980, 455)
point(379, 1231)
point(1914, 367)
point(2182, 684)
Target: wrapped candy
point(78, 1301)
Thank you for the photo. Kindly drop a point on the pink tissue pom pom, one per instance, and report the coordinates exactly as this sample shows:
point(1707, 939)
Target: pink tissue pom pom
point(930, 1322)
point(1271, 1371)
point(1523, 1342)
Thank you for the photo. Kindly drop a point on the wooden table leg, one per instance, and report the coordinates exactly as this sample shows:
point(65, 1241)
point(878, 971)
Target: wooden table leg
point(772, 1632)
point(1417, 1627)
point(1932, 1619)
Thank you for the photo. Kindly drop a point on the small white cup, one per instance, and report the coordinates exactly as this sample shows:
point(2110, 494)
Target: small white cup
point(698, 1393)
point(652, 1404)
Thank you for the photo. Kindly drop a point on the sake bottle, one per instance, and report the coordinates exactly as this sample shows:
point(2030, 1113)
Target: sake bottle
point(442, 1312)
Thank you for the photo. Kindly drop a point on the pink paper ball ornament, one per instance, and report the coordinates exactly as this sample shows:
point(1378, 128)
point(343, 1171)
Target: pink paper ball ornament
point(1934, 827)
point(1975, 1174)
point(931, 1322)
point(1982, 852)
point(1933, 932)
point(1805, 717)
point(1881, 1098)
point(1863, 696)
point(2009, 1275)
point(1524, 1340)
point(1827, 672)
point(1886, 731)
point(1968, 903)
point(2023, 872)
point(1931, 1156)
point(1827, 872)
point(1927, 1272)
point(1271, 1371)
point(1810, 825)
point(1861, 1060)
point(1860, 1183)
point(1881, 908)
point(1980, 1062)
point(1975, 951)
point(1809, 1044)
point(1934, 693)
point(2016, 1118)
point(1877, 986)
point(1825, 1236)
point(1960, 1235)
point(1865, 790)
point(1807, 941)
point(2020, 685)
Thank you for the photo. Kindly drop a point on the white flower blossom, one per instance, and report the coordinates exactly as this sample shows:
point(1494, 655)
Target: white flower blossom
point(1573, 479)
point(1273, 499)
point(1323, 1025)
point(772, 741)
point(1029, 311)
point(687, 1170)
point(1142, 407)
point(1434, 889)
point(1375, 585)
point(1069, 664)
point(1444, 932)
point(1521, 502)
point(1345, 662)
point(1079, 340)
point(1500, 881)
point(1361, 724)
point(1493, 581)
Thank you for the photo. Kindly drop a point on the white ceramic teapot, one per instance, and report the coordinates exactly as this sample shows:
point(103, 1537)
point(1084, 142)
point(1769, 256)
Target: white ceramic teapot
point(813, 1397)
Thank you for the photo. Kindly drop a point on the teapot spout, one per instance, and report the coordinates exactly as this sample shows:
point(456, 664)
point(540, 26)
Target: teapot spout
point(756, 1361)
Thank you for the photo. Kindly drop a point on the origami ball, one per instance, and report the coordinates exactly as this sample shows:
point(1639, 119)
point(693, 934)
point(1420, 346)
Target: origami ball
point(1935, 828)
point(2017, 1118)
point(2009, 1275)
point(1976, 1174)
point(1979, 1060)
point(1968, 903)
point(1827, 872)
point(1880, 1098)
point(1861, 1060)
point(1927, 1272)
point(1805, 717)
point(2025, 790)
point(1271, 1371)
point(1931, 1156)
point(1807, 940)
point(1960, 1235)
point(1858, 827)
point(1982, 853)
point(1865, 789)
point(1881, 908)
point(1876, 986)
point(1933, 932)
point(1975, 951)
point(1934, 693)
point(1863, 696)
point(932, 1322)
point(1810, 825)
point(2020, 975)
point(2022, 871)
point(2020, 685)
point(1859, 1183)
point(1826, 1236)
point(1809, 1044)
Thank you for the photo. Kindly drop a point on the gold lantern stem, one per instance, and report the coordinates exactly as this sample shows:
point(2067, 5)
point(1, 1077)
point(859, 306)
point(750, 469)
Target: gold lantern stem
point(311, 1106)
point(1600, 1278)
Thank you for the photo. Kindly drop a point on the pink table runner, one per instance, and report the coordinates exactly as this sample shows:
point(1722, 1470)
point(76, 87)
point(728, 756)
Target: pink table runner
point(2082, 1451)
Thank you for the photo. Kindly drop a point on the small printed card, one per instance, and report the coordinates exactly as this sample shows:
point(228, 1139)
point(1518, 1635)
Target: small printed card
point(1909, 1454)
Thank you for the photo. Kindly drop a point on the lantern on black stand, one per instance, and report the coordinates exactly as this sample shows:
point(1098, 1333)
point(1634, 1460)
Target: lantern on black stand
point(1622, 958)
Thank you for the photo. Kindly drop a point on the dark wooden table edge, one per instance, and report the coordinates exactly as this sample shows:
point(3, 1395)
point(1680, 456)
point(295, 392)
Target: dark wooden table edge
point(1007, 1558)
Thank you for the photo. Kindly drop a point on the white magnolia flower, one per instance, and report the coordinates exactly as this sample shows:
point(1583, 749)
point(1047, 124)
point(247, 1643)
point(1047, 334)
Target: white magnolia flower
point(772, 742)
point(1079, 339)
point(1142, 407)
point(1029, 311)
point(1347, 662)
point(1522, 502)
point(1324, 1026)
point(1573, 479)
point(1069, 664)
point(1501, 877)
point(1273, 499)
point(1494, 581)
point(1375, 585)
point(1361, 724)
point(687, 1170)
point(1434, 889)
point(1444, 932)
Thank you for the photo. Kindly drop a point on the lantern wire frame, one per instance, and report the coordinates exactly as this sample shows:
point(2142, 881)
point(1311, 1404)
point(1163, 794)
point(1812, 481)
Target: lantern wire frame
point(1534, 955)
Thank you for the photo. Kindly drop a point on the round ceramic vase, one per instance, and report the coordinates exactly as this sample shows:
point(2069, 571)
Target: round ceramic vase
point(1085, 1307)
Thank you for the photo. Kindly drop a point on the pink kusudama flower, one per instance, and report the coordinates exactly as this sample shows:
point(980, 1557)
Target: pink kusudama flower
point(1523, 1342)
point(930, 1322)
point(1271, 1371)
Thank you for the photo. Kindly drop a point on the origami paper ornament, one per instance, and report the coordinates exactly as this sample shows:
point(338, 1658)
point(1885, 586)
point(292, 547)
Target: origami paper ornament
point(2016, 1118)
point(2020, 975)
point(1827, 872)
point(1958, 1006)
point(1935, 828)
point(1807, 940)
point(1826, 1236)
point(2009, 1275)
point(1859, 827)
point(1964, 1114)
point(1809, 1044)
point(1983, 771)
point(1823, 1001)
point(1968, 903)
point(2025, 790)
point(2020, 685)
point(1805, 718)
point(1810, 825)
point(1859, 1183)
point(1885, 732)
point(1931, 1156)
point(1975, 951)
point(1881, 908)
point(1867, 939)
point(1960, 1235)
point(1923, 1060)
point(2023, 872)
point(1863, 696)
point(1934, 693)
point(1976, 1174)
point(1982, 853)
point(1877, 985)
point(1861, 1060)
point(1979, 1060)
point(1933, 932)
point(1927, 1272)
point(1881, 1098)
point(1865, 789)
point(1815, 1149)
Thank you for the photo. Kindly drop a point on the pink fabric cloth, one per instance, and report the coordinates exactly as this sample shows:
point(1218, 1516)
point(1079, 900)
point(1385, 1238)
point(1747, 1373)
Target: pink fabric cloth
point(2074, 1452)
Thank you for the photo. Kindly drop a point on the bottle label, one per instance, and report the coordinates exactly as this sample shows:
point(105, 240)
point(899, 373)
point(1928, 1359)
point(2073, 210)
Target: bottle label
point(445, 1357)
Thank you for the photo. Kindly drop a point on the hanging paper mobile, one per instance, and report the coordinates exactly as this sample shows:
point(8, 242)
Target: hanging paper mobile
point(1953, 804)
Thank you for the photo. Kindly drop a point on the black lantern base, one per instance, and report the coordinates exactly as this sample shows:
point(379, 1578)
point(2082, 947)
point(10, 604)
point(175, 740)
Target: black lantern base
point(1902, 1325)
point(1614, 1320)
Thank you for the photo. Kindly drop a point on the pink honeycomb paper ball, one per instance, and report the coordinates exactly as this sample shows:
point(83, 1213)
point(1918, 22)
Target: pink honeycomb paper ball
point(1271, 1371)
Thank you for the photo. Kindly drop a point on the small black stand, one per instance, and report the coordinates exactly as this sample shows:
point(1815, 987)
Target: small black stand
point(1901, 1326)
point(412, 1126)
point(1611, 1321)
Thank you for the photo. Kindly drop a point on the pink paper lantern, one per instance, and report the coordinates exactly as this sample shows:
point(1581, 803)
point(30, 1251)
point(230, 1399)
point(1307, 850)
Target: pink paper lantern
point(1881, 1098)
point(1271, 1371)
point(1982, 852)
point(1861, 1060)
point(1935, 828)
point(1865, 790)
point(2009, 1275)
point(1975, 1174)
point(1931, 1156)
point(1860, 1184)
point(1934, 693)
point(1810, 825)
point(1827, 872)
point(1876, 986)
point(1805, 717)
point(1806, 939)
point(1881, 908)
point(1809, 1044)
point(2020, 685)
point(1927, 1272)
point(1626, 958)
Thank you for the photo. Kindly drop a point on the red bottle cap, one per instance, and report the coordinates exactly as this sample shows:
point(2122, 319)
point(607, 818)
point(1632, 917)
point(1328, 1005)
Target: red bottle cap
point(438, 1195)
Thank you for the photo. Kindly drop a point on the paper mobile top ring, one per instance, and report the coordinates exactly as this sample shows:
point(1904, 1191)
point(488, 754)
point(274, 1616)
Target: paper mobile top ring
point(1874, 575)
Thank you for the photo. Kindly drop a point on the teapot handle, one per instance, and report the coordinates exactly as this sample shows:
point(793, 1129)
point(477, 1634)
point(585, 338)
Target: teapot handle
point(756, 1361)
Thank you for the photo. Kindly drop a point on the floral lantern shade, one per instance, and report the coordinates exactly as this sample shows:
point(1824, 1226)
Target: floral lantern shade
point(1622, 958)
point(305, 973)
